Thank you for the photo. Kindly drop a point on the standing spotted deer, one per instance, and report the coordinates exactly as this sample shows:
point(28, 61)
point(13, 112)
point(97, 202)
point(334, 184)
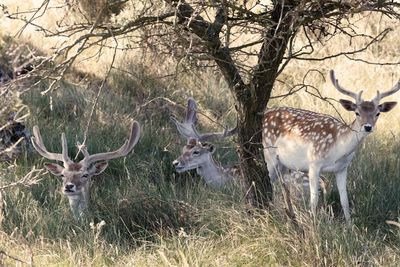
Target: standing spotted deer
point(77, 176)
point(198, 154)
point(311, 142)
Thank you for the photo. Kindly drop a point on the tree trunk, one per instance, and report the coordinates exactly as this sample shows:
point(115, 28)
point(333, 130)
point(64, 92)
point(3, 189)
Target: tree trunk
point(249, 108)
point(254, 170)
point(250, 116)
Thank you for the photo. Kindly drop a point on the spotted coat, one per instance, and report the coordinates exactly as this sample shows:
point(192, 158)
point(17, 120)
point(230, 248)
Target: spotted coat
point(319, 129)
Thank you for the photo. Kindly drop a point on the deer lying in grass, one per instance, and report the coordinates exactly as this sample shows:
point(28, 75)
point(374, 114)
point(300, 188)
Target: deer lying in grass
point(311, 142)
point(77, 176)
point(198, 155)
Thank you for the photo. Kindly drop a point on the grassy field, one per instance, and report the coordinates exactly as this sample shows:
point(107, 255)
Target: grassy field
point(154, 216)
point(145, 214)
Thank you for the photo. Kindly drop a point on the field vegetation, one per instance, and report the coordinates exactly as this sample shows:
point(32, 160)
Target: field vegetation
point(143, 213)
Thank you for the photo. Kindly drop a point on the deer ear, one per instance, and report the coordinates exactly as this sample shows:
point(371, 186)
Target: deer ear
point(211, 148)
point(348, 105)
point(98, 168)
point(386, 106)
point(54, 168)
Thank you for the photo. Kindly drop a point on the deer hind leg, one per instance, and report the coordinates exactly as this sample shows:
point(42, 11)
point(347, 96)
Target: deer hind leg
point(302, 182)
point(325, 187)
point(275, 168)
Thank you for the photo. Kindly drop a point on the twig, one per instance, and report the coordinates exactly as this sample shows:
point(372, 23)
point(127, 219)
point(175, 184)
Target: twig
point(28, 180)
point(12, 147)
point(3, 253)
point(103, 83)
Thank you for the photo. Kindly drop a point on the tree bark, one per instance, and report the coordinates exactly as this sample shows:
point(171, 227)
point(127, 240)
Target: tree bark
point(254, 170)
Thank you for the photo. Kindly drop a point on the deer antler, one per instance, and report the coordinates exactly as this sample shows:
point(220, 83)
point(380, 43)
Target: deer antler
point(38, 144)
point(121, 152)
point(187, 128)
point(215, 136)
point(379, 95)
point(335, 82)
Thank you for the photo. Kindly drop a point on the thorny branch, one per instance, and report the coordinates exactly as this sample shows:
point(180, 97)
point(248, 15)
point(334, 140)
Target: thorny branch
point(17, 117)
point(232, 21)
point(85, 37)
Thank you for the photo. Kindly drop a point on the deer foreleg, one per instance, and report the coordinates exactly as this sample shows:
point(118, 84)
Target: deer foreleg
point(313, 174)
point(341, 178)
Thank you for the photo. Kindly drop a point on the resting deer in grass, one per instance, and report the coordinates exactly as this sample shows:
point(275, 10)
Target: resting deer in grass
point(198, 154)
point(311, 142)
point(77, 176)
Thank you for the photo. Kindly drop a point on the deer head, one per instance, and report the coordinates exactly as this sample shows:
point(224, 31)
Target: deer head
point(196, 152)
point(194, 155)
point(367, 112)
point(76, 176)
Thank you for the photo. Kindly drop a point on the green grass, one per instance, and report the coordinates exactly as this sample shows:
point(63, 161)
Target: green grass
point(156, 217)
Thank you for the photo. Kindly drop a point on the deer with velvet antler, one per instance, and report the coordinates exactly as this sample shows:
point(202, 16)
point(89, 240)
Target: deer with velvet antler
point(307, 141)
point(198, 153)
point(76, 177)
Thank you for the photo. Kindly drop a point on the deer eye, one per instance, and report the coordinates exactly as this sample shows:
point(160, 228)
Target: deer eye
point(196, 152)
point(377, 114)
point(357, 114)
point(85, 175)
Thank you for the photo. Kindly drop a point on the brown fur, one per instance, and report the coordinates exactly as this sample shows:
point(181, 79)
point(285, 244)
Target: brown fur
point(321, 129)
point(74, 167)
point(367, 106)
point(76, 180)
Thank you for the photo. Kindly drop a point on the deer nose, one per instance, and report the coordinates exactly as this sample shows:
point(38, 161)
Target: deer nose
point(178, 165)
point(368, 128)
point(69, 187)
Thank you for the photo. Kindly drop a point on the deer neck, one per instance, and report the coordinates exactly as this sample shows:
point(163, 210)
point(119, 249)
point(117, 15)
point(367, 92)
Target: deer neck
point(213, 174)
point(358, 135)
point(351, 136)
point(79, 203)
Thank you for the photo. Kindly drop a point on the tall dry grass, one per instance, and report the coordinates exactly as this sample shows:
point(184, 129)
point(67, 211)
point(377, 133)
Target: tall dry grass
point(156, 217)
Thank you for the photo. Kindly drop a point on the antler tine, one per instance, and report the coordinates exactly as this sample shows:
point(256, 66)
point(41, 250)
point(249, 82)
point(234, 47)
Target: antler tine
point(38, 144)
point(187, 128)
point(191, 114)
point(228, 133)
point(215, 136)
point(122, 151)
point(335, 82)
point(379, 95)
point(64, 145)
